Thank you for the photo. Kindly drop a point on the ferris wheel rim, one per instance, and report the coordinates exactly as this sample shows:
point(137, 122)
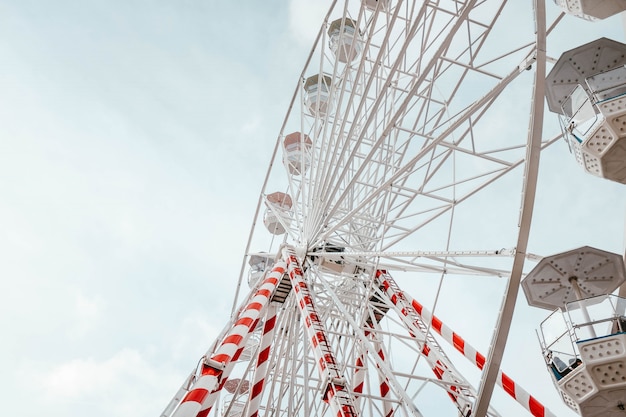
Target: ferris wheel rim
point(527, 190)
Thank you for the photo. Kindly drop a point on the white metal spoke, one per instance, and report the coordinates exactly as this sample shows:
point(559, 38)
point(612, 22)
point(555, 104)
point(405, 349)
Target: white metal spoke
point(419, 127)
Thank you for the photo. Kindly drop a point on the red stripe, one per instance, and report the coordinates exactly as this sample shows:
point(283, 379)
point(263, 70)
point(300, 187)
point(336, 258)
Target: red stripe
point(234, 339)
point(264, 293)
point(271, 280)
point(265, 353)
point(536, 408)
point(269, 324)
point(329, 358)
point(437, 324)
point(254, 306)
point(438, 371)
point(418, 307)
point(207, 370)
point(384, 389)
point(257, 388)
point(244, 321)
point(221, 358)
point(204, 413)
point(237, 355)
point(458, 342)
point(508, 385)
point(480, 360)
point(197, 395)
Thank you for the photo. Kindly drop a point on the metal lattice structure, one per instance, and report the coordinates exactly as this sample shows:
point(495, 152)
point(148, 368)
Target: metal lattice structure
point(394, 139)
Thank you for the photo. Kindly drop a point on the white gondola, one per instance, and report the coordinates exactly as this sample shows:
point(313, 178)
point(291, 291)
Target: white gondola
point(376, 4)
point(278, 213)
point(584, 339)
point(297, 152)
point(259, 264)
point(344, 39)
point(587, 87)
point(333, 259)
point(592, 9)
point(317, 94)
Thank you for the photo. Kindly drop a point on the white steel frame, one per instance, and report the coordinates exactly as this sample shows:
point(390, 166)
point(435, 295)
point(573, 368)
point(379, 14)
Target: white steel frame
point(411, 139)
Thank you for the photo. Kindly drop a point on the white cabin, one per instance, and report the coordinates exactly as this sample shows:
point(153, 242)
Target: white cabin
point(297, 152)
point(587, 88)
point(317, 94)
point(344, 39)
point(584, 345)
point(277, 217)
point(376, 4)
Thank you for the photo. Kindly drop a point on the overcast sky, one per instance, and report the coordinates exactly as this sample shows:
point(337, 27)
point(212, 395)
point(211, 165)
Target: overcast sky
point(133, 139)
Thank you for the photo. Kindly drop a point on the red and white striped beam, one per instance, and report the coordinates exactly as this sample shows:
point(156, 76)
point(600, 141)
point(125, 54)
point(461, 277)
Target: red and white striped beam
point(358, 381)
point(442, 368)
point(198, 401)
point(262, 362)
point(522, 396)
point(336, 394)
point(385, 392)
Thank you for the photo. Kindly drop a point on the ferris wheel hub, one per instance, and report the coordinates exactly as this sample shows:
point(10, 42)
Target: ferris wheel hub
point(301, 251)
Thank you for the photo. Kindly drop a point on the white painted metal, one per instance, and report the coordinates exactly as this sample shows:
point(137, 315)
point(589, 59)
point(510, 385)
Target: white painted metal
point(592, 9)
point(410, 170)
point(586, 88)
point(587, 359)
point(573, 275)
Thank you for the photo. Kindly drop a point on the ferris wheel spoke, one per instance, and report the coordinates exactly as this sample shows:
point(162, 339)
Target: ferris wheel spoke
point(404, 150)
point(402, 171)
point(399, 112)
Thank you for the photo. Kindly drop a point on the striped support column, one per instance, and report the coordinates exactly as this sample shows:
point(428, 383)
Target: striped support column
point(224, 378)
point(360, 371)
point(335, 391)
point(262, 362)
point(439, 363)
point(198, 402)
point(514, 390)
point(358, 379)
point(385, 393)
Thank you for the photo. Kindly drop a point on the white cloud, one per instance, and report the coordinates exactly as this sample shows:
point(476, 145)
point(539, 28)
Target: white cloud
point(129, 383)
point(304, 19)
point(87, 314)
point(195, 335)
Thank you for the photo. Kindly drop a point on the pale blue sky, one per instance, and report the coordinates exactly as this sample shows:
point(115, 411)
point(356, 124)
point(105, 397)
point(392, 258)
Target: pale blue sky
point(134, 136)
point(133, 140)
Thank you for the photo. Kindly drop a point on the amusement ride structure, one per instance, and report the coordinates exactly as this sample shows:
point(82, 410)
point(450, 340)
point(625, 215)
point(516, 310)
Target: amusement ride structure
point(393, 164)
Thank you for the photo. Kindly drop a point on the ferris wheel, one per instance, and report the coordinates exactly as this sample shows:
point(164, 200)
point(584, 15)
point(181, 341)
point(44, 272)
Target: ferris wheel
point(397, 166)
